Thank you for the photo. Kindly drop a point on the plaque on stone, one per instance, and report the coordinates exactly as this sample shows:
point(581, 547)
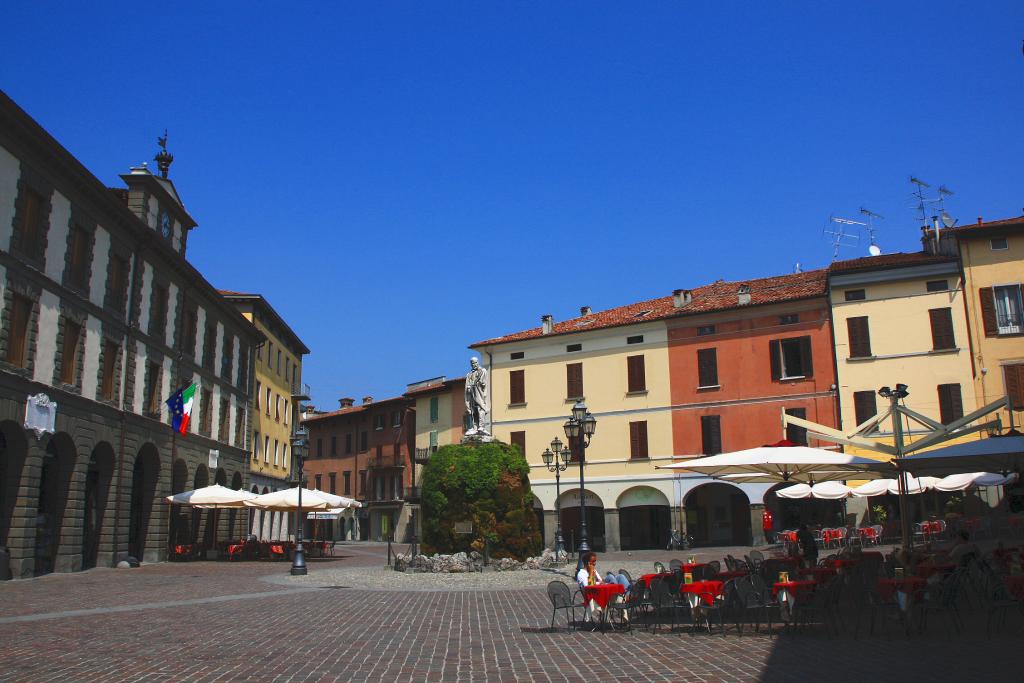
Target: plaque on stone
point(40, 414)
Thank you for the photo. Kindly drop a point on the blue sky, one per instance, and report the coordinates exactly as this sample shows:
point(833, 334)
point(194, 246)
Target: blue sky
point(403, 179)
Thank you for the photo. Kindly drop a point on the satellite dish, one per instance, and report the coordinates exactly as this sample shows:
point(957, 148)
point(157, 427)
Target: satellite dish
point(947, 220)
point(874, 250)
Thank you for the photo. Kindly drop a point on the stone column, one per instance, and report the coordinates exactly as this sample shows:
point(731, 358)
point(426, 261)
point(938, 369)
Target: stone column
point(611, 530)
point(550, 524)
point(756, 510)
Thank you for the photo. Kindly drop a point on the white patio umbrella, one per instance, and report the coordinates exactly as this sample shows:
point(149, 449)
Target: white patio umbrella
point(795, 491)
point(996, 454)
point(798, 464)
point(960, 482)
point(878, 487)
point(284, 501)
point(215, 496)
point(335, 501)
point(826, 490)
point(914, 485)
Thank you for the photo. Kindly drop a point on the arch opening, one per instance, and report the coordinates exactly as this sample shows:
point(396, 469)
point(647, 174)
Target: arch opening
point(645, 518)
point(54, 483)
point(718, 514)
point(98, 479)
point(145, 473)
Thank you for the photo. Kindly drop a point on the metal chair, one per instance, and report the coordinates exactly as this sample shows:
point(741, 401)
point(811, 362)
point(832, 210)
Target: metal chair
point(748, 599)
point(561, 599)
point(943, 599)
point(675, 565)
point(629, 578)
point(711, 570)
point(662, 600)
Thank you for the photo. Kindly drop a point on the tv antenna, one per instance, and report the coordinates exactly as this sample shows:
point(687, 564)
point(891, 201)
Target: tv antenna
point(873, 248)
point(924, 203)
point(841, 234)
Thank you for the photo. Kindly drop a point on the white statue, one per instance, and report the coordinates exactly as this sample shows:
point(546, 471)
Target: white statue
point(479, 422)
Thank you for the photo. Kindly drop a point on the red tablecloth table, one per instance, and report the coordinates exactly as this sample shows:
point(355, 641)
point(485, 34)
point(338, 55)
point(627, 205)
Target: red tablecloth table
point(738, 574)
point(842, 564)
point(829, 535)
point(647, 578)
point(235, 550)
point(908, 585)
point(601, 593)
point(819, 574)
point(788, 536)
point(788, 591)
point(1015, 584)
point(701, 590)
point(926, 570)
point(687, 567)
point(868, 534)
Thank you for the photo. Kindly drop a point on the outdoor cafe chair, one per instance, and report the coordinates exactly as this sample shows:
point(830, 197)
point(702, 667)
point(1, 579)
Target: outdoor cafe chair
point(675, 565)
point(818, 540)
point(629, 578)
point(711, 570)
point(750, 600)
point(852, 537)
point(997, 601)
point(943, 598)
point(821, 603)
point(662, 601)
point(562, 599)
point(627, 609)
point(709, 605)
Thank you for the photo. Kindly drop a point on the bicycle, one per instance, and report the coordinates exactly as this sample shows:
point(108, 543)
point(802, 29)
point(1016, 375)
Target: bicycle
point(678, 541)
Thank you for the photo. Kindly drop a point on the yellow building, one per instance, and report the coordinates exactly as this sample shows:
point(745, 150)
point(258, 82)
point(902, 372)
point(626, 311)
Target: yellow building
point(992, 254)
point(276, 392)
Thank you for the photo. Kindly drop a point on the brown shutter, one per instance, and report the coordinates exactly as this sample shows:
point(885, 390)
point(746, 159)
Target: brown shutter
point(865, 405)
point(774, 351)
point(711, 434)
point(707, 367)
point(942, 328)
point(517, 387)
point(519, 439)
point(805, 357)
point(988, 311)
point(17, 343)
point(950, 404)
point(860, 337)
point(1015, 385)
point(637, 378)
point(638, 439)
point(797, 435)
point(574, 380)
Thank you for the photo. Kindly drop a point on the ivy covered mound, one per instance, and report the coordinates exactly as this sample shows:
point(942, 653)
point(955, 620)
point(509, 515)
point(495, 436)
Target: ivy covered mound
point(487, 484)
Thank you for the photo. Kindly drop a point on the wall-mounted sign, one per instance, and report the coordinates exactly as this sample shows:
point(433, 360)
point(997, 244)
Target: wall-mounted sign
point(573, 498)
point(40, 414)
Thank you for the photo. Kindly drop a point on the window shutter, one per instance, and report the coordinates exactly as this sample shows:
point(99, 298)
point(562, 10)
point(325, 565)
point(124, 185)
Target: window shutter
point(707, 367)
point(860, 337)
point(574, 380)
point(517, 386)
point(988, 311)
point(864, 405)
point(638, 439)
point(950, 404)
point(805, 357)
point(774, 352)
point(1015, 386)
point(797, 435)
point(637, 380)
point(942, 328)
point(518, 439)
point(711, 434)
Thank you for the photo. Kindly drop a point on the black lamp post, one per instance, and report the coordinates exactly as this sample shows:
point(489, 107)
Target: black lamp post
point(299, 440)
point(579, 428)
point(894, 396)
point(556, 459)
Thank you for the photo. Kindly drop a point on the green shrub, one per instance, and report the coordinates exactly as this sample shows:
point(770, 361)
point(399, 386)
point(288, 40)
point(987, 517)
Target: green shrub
point(487, 484)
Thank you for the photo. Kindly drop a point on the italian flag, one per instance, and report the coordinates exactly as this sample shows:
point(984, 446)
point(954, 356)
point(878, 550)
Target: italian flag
point(180, 405)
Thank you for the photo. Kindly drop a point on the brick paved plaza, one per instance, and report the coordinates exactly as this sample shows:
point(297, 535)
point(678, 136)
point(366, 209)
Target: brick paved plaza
point(252, 622)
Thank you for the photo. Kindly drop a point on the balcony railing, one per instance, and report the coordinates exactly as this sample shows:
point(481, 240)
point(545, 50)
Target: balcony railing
point(413, 494)
point(422, 455)
point(300, 391)
point(386, 461)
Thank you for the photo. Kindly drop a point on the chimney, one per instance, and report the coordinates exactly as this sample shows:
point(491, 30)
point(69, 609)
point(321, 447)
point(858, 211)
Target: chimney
point(367, 400)
point(681, 297)
point(346, 402)
point(585, 310)
point(980, 221)
point(743, 295)
point(547, 324)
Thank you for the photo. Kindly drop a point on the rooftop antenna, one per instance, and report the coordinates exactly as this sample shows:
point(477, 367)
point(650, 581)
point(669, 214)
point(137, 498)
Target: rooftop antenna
point(840, 234)
point(922, 202)
point(947, 220)
point(873, 248)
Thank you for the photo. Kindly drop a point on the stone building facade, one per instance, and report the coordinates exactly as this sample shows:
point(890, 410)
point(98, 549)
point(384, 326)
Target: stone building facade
point(103, 316)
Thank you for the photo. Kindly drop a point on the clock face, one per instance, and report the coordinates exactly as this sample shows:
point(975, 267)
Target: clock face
point(165, 224)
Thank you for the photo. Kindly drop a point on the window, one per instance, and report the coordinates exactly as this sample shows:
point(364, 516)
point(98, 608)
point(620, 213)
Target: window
point(636, 339)
point(346, 478)
point(936, 286)
point(257, 443)
point(517, 387)
point(279, 361)
point(285, 401)
point(1014, 378)
point(518, 439)
point(865, 406)
point(210, 349)
point(396, 418)
point(17, 341)
point(334, 478)
point(707, 367)
point(319, 447)
point(433, 441)
point(362, 482)
point(270, 353)
point(705, 330)
point(227, 353)
point(277, 449)
point(517, 355)
point(789, 319)
point(206, 421)
point(363, 441)
point(110, 351)
point(951, 406)
point(277, 407)
point(348, 443)
point(572, 348)
point(243, 367)
point(334, 446)
point(266, 450)
point(318, 478)
point(1001, 310)
point(267, 404)
point(860, 336)
point(378, 422)
point(81, 257)
point(855, 295)
point(240, 426)
point(638, 440)
point(152, 407)
point(998, 243)
point(118, 282)
point(794, 433)
point(259, 389)
point(711, 434)
point(284, 455)
point(225, 419)
point(942, 328)
point(31, 226)
point(190, 326)
point(433, 408)
point(69, 352)
point(158, 312)
point(636, 374)
point(574, 380)
point(791, 358)
point(287, 366)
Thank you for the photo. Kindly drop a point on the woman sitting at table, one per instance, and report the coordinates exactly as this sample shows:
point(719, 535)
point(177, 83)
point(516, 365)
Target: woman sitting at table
point(808, 546)
point(588, 575)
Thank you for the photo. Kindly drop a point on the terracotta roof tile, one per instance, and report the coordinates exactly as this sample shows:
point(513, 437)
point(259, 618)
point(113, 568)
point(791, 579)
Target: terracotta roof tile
point(353, 409)
point(718, 296)
point(435, 386)
point(966, 230)
point(888, 261)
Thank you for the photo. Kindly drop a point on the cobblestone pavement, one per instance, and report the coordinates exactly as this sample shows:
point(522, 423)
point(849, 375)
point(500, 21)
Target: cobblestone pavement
point(208, 621)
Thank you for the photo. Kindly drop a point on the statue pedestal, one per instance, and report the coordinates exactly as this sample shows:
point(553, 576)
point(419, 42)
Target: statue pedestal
point(478, 437)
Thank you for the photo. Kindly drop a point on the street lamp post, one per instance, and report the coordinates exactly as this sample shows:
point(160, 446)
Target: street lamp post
point(299, 440)
point(894, 395)
point(579, 429)
point(556, 459)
